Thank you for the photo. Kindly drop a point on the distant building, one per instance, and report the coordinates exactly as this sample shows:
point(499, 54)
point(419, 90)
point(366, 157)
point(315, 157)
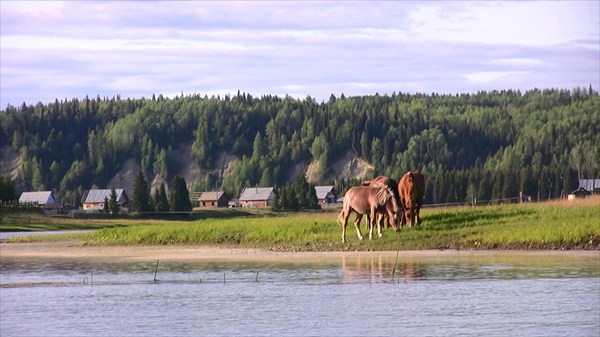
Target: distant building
point(590, 185)
point(326, 194)
point(93, 200)
point(43, 199)
point(257, 197)
point(579, 193)
point(212, 199)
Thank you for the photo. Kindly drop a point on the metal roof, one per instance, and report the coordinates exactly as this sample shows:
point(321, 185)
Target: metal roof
point(589, 184)
point(40, 198)
point(322, 191)
point(98, 196)
point(257, 194)
point(210, 196)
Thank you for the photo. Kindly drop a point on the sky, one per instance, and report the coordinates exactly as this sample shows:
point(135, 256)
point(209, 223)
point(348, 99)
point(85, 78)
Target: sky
point(70, 49)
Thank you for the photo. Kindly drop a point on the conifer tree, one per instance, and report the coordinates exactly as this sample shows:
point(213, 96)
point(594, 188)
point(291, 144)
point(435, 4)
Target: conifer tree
point(179, 199)
point(106, 208)
point(141, 194)
point(159, 199)
point(113, 204)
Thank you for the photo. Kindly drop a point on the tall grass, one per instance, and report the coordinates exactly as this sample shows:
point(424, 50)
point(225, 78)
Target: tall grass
point(528, 226)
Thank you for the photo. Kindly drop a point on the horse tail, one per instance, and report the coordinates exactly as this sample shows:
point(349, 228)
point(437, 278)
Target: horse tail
point(340, 217)
point(345, 208)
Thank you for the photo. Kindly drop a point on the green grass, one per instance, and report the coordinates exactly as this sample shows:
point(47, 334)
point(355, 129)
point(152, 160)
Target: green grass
point(559, 225)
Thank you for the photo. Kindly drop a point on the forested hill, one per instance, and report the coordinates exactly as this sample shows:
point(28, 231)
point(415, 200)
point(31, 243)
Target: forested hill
point(487, 145)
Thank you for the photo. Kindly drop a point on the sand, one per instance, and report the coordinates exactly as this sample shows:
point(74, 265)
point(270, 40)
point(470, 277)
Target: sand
point(74, 250)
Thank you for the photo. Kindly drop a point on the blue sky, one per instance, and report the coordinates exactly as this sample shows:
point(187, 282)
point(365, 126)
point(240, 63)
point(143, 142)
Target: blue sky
point(135, 49)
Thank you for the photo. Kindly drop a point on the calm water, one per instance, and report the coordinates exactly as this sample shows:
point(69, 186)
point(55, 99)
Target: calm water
point(372, 295)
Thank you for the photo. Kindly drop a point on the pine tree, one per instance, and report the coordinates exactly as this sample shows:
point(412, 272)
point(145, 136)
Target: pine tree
point(179, 199)
point(276, 206)
point(160, 200)
point(141, 195)
point(106, 208)
point(113, 204)
point(7, 189)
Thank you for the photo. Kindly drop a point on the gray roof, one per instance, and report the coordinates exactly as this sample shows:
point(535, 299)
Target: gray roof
point(589, 184)
point(210, 196)
point(98, 196)
point(40, 198)
point(322, 191)
point(257, 194)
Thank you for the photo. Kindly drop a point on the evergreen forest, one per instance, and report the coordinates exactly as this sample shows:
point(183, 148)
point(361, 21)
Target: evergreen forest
point(487, 145)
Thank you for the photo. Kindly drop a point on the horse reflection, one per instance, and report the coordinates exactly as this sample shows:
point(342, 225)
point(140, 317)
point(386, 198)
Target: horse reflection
point(379, 269)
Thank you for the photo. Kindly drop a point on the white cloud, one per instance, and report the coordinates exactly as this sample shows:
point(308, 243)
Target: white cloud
point(69, 49)
point(489, 76)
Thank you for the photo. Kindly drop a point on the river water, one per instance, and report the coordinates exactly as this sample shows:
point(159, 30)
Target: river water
point(355, 295)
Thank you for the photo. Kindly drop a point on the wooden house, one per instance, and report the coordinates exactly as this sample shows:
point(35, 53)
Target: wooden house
point(257, 197)
point(212, 199)
point(43, 199)
point(93, 200)
point(590, 185)
point(326, 194)
point(586, 188)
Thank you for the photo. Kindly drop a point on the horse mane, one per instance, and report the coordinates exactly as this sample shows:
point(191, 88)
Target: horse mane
point(384, 194)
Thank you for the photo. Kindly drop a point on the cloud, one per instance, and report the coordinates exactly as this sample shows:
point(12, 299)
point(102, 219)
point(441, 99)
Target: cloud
point(70, 49)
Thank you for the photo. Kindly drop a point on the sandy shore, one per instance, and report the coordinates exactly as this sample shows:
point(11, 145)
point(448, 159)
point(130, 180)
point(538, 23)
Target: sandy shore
point(74, 250)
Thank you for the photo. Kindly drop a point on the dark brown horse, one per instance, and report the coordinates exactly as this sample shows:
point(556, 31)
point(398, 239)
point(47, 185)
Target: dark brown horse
point(387, 182)
point(368, 200)
point(411, 189)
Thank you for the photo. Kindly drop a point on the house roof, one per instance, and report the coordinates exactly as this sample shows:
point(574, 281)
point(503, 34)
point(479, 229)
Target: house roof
point(589, 184)
point(41, 197)
point(581, 190)
point(210, 196)
point(322, 191)
point(257, 194)
point(98, 196)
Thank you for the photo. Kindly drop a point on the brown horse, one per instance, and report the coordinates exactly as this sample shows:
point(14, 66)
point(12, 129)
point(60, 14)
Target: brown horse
point(368, 200)
point(387, 182)
point(412, 189)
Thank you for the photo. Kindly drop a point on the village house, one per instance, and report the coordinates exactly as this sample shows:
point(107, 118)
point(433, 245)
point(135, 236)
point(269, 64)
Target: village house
point(212, 199)
point(326, 195)
point(93, 200)
point(586, 188)
point(590, 185)
point(43, 199)
point(257, 197)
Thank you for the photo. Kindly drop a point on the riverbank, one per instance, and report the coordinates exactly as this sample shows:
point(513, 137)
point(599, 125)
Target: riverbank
point(77, 250)
point(559, 225)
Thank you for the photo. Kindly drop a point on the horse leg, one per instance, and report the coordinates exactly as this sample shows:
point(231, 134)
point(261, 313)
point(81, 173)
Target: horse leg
point(372, 223)
point(357, 226)
point(380, 219)
point(346, 215)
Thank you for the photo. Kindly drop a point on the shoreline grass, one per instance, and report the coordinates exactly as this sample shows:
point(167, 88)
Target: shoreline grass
point(543, 226)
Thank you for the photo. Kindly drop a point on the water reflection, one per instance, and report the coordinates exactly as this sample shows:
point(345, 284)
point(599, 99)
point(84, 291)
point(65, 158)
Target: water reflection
point(350, 295)
point(351, 268)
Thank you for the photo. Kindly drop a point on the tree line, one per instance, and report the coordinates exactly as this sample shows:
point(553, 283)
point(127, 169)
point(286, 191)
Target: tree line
point(486, 145)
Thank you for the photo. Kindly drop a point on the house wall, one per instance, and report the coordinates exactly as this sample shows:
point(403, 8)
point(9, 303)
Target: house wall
point(255, 203)
point(208, 204)
point(93, 206)
point(222, 202)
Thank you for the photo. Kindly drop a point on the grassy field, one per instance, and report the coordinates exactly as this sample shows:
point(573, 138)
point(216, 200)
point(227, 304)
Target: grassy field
point(551, 225)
